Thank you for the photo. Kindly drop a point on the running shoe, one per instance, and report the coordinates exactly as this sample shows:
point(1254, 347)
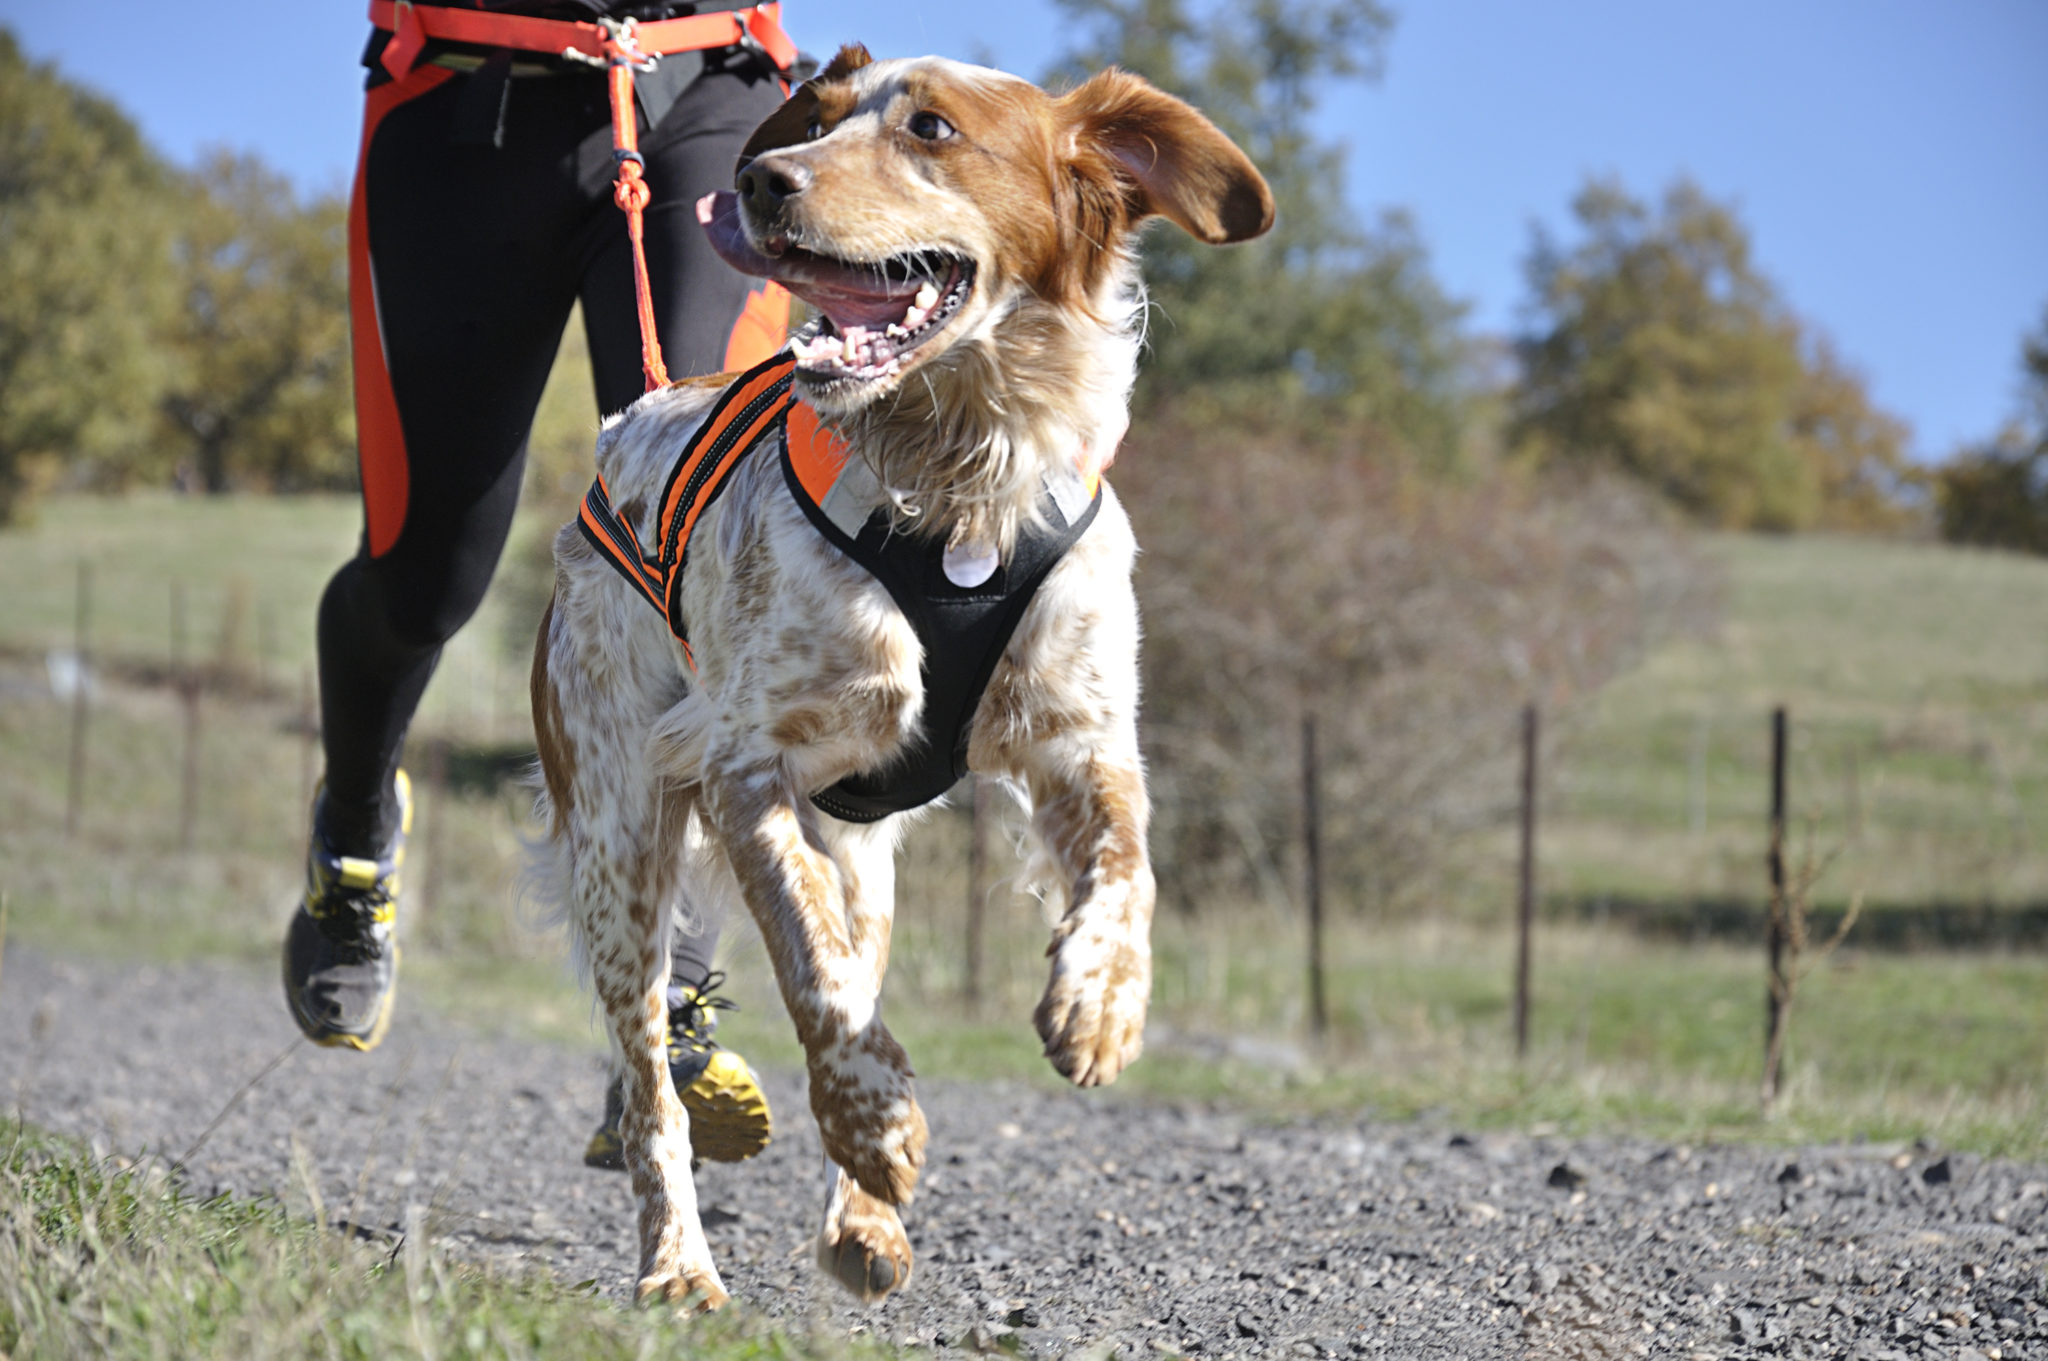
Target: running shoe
point(729, 1117)
point(340, 961)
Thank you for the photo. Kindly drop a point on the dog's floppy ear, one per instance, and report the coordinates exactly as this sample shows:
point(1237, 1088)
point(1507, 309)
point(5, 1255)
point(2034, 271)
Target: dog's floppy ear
point(1167, 157)
point(791, 123)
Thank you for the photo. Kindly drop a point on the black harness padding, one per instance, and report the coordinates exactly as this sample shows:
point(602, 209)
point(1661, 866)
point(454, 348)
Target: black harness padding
point(963, 630)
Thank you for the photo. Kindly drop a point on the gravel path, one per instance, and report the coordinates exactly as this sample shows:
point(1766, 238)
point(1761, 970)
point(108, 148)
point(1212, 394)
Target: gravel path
point(1061, 1223)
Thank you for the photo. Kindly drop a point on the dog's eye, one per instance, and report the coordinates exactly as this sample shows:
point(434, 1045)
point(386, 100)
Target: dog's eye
point(814, 130)
point(928, 126)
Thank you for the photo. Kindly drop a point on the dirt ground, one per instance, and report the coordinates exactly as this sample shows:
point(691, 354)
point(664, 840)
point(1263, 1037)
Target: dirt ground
point(1065, 1223)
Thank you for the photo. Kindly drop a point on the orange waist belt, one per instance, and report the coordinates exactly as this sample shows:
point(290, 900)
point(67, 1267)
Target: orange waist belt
point(621, 47)
point(412, 26)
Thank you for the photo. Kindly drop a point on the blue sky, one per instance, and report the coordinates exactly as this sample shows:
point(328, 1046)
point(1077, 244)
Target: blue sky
point(1890, 158)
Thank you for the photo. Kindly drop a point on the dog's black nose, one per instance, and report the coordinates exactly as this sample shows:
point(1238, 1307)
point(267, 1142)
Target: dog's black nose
point(766, 185)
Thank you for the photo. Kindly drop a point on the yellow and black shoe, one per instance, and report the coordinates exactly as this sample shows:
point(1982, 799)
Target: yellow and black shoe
point(729, 1117)
point(340, 961)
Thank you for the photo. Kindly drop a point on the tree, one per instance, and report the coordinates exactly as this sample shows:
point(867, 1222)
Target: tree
point(262, 397)
point(1657, 348)
point(1996, 494)
point(1319, 322)
point(1856, 452)
point(83, 281)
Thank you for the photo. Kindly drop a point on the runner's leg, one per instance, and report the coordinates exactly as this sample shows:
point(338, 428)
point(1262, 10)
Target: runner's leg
point(463, 273)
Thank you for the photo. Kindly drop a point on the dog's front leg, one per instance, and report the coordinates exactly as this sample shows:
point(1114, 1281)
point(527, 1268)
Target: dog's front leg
point(1090, 811)
point(861, 1243)
point(860, 1078)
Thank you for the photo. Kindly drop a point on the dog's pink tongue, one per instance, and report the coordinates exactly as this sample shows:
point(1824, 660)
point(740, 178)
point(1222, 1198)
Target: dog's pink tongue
point(851, 296)
point(719, 214)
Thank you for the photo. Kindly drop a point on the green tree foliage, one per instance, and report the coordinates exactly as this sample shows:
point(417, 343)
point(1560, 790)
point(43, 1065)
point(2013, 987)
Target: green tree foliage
point(1658, 349)
point(83, 289)
point(1320, 321)
point(1856, 452)
point(262, 397)
point(1996, 495)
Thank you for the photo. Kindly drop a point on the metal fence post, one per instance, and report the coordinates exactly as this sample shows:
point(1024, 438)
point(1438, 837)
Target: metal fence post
point(1525, 898)
point(1775, 990)
point(1312, 856)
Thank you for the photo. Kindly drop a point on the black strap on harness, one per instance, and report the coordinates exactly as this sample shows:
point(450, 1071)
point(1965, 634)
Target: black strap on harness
point(963, 630)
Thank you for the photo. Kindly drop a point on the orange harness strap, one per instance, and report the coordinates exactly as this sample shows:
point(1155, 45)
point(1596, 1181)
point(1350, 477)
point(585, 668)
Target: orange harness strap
point(621, 47)
point(749, 410)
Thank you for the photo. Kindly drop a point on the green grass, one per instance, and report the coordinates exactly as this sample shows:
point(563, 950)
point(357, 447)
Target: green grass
point(1930, 665)
point(1917, 682)
point(251, 570)
point(112, 1260)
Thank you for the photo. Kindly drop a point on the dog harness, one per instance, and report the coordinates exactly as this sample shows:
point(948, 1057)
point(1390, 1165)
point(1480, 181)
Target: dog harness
point(962, 629)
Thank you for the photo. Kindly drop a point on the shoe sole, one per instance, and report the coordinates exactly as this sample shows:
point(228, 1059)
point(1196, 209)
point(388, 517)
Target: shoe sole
point(729, 1123)
point(729, 1120)
point(319, 1033)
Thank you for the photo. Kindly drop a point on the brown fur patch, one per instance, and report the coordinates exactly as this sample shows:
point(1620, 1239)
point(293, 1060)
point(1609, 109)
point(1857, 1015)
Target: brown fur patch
point(557, 757)
point(824, 99)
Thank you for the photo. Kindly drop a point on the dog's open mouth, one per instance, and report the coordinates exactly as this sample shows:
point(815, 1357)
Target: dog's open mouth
point(871, 313)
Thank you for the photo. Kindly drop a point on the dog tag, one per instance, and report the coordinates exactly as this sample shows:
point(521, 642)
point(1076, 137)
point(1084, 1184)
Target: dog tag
point(970, 564)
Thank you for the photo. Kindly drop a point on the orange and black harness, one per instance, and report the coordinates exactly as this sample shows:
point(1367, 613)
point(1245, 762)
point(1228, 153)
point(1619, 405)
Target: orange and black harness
point(962, 629)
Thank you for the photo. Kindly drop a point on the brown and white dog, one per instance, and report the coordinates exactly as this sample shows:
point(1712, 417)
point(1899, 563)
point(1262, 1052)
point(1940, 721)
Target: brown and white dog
point(968, 241)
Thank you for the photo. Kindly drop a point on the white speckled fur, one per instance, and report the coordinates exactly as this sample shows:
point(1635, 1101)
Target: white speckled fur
point(665, 787)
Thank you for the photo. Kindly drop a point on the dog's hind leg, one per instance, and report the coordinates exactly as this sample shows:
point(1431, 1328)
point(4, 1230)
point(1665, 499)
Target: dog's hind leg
point(621, 830)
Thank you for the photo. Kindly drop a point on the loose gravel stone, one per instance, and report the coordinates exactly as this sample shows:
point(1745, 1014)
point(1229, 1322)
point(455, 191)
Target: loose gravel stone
point(1062, 1223)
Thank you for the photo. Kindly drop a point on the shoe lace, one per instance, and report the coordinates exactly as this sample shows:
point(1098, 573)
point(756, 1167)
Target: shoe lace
point(348, 917)
point(690, 1012)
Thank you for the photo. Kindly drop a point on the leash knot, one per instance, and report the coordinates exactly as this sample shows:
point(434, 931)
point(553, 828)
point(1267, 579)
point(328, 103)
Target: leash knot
point(630, 192)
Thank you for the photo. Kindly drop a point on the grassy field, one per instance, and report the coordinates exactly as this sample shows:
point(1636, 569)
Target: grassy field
point(1928, 664)
point(111, 1260)
point(1917, 682)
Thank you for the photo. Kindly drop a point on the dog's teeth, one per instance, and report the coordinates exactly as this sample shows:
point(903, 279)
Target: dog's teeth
point(914, 318)
point(927, 296)
point(895, 332)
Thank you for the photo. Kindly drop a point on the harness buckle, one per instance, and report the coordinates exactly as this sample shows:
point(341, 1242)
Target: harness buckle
point(622, 45)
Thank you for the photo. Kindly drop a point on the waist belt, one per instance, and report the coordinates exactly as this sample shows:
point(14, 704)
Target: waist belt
point(619, 47)
point(412, 26)
point(962, 629)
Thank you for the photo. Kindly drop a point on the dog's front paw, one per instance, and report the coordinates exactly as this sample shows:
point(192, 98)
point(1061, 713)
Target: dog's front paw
point(698, 1292)
point(863, 1246)
point(867, 1112)
point(1092, 1017)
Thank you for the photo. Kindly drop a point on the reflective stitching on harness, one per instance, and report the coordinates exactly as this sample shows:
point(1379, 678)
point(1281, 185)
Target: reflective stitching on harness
point(744, 413)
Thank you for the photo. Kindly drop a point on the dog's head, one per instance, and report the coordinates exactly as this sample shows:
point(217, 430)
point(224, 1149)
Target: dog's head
point(920, 205)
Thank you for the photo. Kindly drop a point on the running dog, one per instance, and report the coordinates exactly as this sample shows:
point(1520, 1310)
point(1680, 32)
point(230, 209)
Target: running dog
point(803, 600)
